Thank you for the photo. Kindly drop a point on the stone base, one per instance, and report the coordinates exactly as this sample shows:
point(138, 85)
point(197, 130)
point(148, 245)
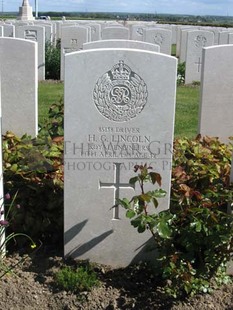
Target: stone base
point(25, 13)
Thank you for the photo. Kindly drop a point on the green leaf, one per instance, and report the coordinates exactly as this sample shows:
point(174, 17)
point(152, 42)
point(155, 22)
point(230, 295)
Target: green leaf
point(145, 197)
point(155, 202)
point(123, 202)
point(141, 228)
point(133, 180)
point(158, 193)
point(14, 168)
point(198, 226)
point(130, 214)
point(164, 230)
point(136, 222)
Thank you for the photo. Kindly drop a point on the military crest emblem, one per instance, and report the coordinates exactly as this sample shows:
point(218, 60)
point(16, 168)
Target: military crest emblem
point(120, 94)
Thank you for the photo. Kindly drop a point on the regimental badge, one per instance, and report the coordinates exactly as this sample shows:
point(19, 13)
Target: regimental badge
point(158, 39)
point(120, 94)
point(200, 41)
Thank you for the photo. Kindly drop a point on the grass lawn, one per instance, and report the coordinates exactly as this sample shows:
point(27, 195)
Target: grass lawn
point(49, 92)
point(187, 102)
point(187, 109)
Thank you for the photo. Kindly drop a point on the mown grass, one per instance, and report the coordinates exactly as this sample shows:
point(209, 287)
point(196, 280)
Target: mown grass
point(187, 102)
point(49, 92)
point(187, 109)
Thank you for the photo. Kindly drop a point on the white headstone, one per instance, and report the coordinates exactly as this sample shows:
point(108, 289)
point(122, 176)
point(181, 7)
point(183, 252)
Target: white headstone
point(110, 33)
point(119, 111)
point(137, 32)
point(9, 31)
point(159, 36)
point(19, 86)
point(95, 31)
point(216, 108)
point(72, 39)
point(36, 34)
point(196, 40)
point(122, 44)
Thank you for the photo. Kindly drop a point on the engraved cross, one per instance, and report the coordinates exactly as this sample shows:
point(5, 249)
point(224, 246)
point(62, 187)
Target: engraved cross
point(116, 185)
point(199, 63)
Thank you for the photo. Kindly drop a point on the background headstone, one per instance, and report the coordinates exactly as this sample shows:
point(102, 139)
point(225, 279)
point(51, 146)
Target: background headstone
point(216, 108)
point(72, 40)
point(19, 86)
point(36, 34)
point(122, 44)
point(196, 40)
point(159, 36)
point(109, 33)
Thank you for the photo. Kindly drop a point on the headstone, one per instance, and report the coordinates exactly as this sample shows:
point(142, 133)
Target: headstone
point(25, 11)
point(119, 112)
point(110, 33)
point(196, 40)
point(48, 31)
point(223, 37)
point(122, 44)
point(9, 31)
point(95, 31)
point(161, 37)
point(216, 109)
point(179, 39)
point(36, 34)
point(230, 38)
point(72, 40)
point(19, 86)
point(137, 32)
point(183, 43)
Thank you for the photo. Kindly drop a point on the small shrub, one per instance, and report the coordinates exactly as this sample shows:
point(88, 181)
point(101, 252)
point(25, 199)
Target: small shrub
point(52, 61)
point(181, 73)
point(80, 279)
point(55, 123)
point(194, 238)
point(5, 238)
point(34, 169)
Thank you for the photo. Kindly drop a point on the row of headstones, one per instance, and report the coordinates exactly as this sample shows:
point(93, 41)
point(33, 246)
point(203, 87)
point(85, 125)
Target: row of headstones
point(73, 37)
point(119, 112)
point(190, 44)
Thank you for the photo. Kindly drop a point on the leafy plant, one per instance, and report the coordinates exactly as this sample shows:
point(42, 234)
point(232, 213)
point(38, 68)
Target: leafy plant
point(181, 73)
point(34, 169)
point(54, 126)
point(52, 61)
point(5, 237)
point(194, 237)
point(76, 280)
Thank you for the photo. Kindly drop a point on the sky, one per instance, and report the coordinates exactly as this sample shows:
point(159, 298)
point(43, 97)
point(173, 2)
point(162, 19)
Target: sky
point(193, 7)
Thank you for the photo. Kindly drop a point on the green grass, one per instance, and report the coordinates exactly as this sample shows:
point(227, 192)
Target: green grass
point(80, 279)
point(187, 102)
point(49, 92)
point(173, 53)
point(187, 106)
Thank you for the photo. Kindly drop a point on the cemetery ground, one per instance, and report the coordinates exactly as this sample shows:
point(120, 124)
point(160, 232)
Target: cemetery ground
point(34, 284)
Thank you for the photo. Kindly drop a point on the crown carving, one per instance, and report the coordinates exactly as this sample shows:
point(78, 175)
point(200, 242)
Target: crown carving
point(121, 71)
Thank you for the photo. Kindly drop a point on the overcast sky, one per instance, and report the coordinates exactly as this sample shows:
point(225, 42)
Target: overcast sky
point(194, 7)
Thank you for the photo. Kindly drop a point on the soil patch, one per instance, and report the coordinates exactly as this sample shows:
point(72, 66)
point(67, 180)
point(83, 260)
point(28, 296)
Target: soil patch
point(31, 285)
